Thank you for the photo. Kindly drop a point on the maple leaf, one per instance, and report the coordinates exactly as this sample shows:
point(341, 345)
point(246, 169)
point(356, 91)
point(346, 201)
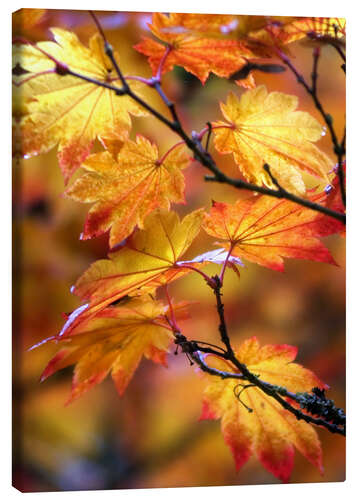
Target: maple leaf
point(150, 258)
point(114, 341)
point(126, 189)
point(66, 110)
point(269, 431)
point(193, 50)
point(265, 230)
point(266, 128)
point(315, 27)
point(281, 33)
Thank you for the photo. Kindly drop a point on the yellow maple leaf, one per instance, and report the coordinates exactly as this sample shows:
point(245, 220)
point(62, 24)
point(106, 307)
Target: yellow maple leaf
point(115, 340)
point(65, 110)
point(149, 259)
point(268, 431)
point(264, 128)
point(126, 189)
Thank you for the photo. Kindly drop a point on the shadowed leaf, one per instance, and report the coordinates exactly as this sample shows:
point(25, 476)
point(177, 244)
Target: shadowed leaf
point(268, 431)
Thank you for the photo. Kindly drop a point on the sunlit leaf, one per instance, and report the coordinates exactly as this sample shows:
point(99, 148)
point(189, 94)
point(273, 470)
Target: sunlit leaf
point(265, 230)
point(149, 259)
point(125, 190)
point(65, 110)
point(114, 341)
point(266, 128)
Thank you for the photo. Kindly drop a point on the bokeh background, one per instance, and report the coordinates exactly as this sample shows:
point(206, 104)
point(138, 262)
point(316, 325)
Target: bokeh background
point(151, 436)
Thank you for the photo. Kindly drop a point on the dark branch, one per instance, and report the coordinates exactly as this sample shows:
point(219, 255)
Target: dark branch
point(220, 309)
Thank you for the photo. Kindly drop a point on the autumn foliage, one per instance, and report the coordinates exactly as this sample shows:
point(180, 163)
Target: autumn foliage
point(81, 100)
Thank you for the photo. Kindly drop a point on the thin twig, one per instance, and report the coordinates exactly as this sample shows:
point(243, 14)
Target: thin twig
point(339, 150)
point(240, 184)
point(98, 25)
point(172, 312)
point(269, 389)
point(314, 75)
point(209, 125)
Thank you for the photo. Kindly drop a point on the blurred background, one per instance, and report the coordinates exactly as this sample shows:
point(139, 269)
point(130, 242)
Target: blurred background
point(151, 436)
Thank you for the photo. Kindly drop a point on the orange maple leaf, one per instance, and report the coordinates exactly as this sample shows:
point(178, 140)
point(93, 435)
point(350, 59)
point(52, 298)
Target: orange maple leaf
point(150, 258)
point(126, 189)
point(193, 50)
point(266, 128)
point(115, 340)
point(269, 431)
point(67, 111)
point(265, 230)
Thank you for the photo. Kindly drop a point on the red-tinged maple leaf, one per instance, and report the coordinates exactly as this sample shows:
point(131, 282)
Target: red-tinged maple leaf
point(265, 230)
point(264, 128)
point(114, 341)
point(126, 189)
point(150, 258)
point(65, 110)
point(268, 431)
point(193, 50)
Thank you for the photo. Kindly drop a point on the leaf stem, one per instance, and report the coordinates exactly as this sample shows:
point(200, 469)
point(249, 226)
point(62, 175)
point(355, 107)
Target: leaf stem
point(205, 276)
point(161, 160)
point(172, 313)
point(98, 25)
point(221, 276)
